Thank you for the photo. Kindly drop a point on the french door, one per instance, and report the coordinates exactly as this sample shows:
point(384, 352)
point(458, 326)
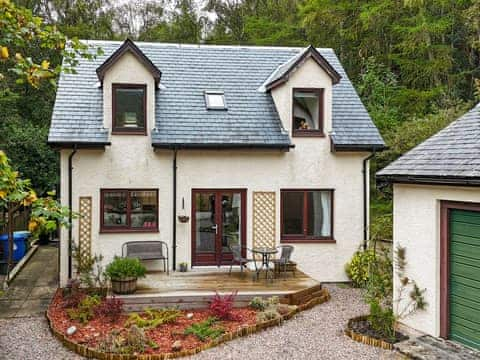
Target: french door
point(218, 221)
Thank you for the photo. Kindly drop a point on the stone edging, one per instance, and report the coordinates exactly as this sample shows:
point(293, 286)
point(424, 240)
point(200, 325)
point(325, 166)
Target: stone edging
point(244, 331)
point(365, 339)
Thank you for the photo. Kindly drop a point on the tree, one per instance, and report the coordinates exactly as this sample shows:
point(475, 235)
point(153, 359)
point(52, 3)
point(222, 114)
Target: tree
point(20, 33)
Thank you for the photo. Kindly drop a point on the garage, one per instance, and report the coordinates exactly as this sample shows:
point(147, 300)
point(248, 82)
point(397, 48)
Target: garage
point(464, 277)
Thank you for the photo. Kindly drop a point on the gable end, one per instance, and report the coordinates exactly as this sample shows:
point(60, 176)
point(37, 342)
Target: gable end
point(129, 46)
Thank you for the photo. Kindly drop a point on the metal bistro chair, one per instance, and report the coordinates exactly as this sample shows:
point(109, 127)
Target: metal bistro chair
point(147, 250)
point(284, 260)
point(236, 251)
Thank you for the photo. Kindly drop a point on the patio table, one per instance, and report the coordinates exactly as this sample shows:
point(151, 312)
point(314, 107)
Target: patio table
point(266, 253)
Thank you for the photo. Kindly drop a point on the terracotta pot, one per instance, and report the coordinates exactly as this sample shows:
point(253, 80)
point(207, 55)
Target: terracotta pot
point(126, 285)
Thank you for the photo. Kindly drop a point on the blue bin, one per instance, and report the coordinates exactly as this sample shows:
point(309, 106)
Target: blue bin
point(19, 245)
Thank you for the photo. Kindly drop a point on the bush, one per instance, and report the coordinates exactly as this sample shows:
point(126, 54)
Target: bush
point(358, 268)
point(153, 318)
point(85, 310)
point(382, 320)
point(221, 306)
point(111, 308)
point(204, 330)
point(257, 303)
point(121, 268)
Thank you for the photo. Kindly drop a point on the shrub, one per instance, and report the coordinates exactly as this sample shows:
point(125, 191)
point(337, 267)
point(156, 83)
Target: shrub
point(121, 268)
point(153, 318)
point(357, 269)
point(268, 314)
point(204, 330)
point(258, 303)
point(85, 310)
point(221, 306)
point(132, 341)
point(382, 320)
point(111, 308)
point(72, 294)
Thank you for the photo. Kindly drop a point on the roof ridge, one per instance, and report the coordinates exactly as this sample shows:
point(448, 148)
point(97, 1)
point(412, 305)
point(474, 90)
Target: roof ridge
point(186, 45)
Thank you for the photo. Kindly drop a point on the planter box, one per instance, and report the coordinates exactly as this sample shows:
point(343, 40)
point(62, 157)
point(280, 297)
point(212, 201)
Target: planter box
point(124, 286)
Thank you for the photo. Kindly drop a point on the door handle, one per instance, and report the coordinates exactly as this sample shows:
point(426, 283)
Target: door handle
point(216, 228)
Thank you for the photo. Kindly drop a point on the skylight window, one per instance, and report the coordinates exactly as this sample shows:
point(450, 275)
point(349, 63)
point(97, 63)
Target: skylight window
point(215, 100)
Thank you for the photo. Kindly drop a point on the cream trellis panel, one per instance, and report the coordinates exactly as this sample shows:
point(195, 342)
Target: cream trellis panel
point(85, 227)
point(264, 219)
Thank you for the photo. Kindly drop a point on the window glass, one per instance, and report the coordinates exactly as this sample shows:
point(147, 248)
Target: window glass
point(318, 213)
point(143, 209)
point(215, 100)
point(130, 210)
point(129, 108)
point(306, 110)
point(306, 214)
point(115, 208)
point(293, 212)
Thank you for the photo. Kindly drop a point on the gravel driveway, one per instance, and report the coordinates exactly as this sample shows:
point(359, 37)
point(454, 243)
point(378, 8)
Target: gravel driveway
point(313, 334)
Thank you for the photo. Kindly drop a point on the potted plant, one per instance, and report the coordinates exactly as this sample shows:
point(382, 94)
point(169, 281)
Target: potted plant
point(183, 267)
point(123, 274)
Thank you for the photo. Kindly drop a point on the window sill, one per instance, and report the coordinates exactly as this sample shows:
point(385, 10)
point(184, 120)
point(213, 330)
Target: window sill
point(130, 132)
point(128, 231)
point(308, 133)
point(308, 241)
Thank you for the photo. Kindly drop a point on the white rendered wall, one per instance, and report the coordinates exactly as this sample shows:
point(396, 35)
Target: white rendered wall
point(131, 162)
point(416, 210)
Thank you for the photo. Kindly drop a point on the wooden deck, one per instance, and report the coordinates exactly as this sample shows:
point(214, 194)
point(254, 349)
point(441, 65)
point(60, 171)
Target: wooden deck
point(195, 288)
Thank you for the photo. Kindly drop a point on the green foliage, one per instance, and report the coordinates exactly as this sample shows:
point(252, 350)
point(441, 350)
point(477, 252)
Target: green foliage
point(382, 320)
point(90, 271)
point(205, 330)
point(258, 303)
point(129, 342)
point(357, 269)
point(121, 268)
point(85, 311)
point(153, 318)
point(47, 215)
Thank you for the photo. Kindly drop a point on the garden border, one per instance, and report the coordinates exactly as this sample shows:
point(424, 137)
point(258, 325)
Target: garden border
point(244, 331)
point(365, 339)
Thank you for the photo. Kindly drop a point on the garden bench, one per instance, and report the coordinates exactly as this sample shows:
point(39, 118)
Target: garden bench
point(147, 250)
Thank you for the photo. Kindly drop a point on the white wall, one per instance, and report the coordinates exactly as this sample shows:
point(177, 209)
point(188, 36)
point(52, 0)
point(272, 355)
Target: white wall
point(417, 227)
point(130, 162)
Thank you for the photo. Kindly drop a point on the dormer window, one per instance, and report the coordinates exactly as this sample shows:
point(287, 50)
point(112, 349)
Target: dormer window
point(215, 100)
point(129, 108)
point(307, 112)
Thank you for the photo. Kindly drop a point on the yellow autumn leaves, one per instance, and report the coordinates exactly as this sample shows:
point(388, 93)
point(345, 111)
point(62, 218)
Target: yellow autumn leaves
point(4, 52)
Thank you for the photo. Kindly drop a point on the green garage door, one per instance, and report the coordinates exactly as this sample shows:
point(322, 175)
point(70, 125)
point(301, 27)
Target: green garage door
point(465, 277)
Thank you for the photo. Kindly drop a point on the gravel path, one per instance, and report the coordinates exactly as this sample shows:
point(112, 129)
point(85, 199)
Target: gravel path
point(313, 334)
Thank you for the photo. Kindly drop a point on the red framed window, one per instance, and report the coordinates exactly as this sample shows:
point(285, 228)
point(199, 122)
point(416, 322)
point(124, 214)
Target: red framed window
point(129, 109)
point(306, 215)
point(129, 210)
point(307, 112)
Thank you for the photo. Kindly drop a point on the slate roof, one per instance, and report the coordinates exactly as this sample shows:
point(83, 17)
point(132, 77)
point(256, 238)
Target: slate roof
point(181, 116)
point(452, 156)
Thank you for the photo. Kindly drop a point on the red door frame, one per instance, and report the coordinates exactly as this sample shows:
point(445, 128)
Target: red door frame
point(445, 209)
point(226, 258)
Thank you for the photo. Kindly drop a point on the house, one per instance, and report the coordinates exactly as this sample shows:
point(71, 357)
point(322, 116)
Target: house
point(206, 146)
point(437, 219)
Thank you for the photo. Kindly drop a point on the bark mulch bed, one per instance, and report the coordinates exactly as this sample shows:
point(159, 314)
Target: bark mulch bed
point(86, 340)
point(359, 329)
point(96, 330)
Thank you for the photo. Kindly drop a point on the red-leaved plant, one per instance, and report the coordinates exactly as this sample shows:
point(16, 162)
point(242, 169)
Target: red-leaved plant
point(110, 308)
point(221, 306)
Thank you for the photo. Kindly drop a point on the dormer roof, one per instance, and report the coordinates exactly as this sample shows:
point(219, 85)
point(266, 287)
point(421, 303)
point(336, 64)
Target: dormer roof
point(282, 73)
point(129, 46)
